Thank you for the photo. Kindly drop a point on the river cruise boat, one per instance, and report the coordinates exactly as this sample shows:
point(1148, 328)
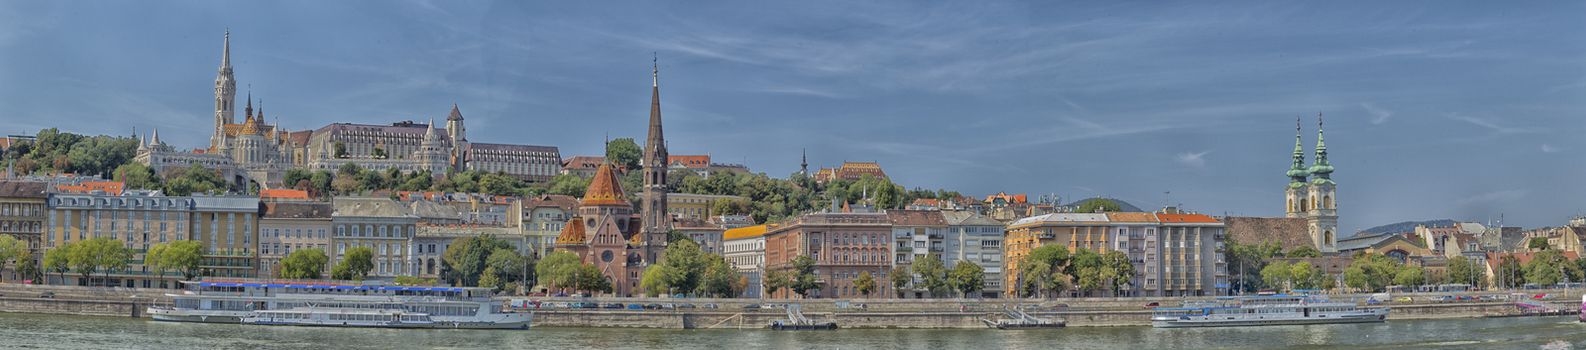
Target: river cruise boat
point(1264, 311)
point(260, 301)
point(339, 317)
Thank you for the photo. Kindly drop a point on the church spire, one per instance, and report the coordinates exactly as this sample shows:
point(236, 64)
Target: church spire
point(1322, 169)
point(1297, 172)
point(653, 214)
point(804, 162)
point(225, 54)
point(247, 112)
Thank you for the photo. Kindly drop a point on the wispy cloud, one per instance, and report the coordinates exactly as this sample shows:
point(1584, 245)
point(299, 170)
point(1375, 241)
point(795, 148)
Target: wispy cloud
point(1488, 124)
point(1192, 159)
point(1378, 114)
point(1546, 148)
point(1495, 196)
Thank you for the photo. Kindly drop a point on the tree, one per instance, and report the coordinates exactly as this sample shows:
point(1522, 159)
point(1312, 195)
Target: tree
point(1304, 252)
point(590, 279)
point(1277, 274)
point(413, 281)
point(803, 279)
point(568, 185)
point(59, 259)
point(1097, 205)
point(510, 267)
point(320, 183)
point(775, 281)
point(28, 268)
point(624, 153)
point(720, 280)
point(933, 275)
point(153, 259)
point(866, 283)
point(659, 280)
point(466, 258)
point(195, 179)
point(1118, 269)
point(1550, 267)
point(355, 264)
point(1306, 276)
point(304, 264)
point(340, 149)
point(1537, 243)
point(682, 265)
point(184, 256)
point(729, 206)
point(1410, 276)
point(559, 269)
point(1371, 272)
point(967, 277)
point(901, 276)
point(1509, 274)
point(1462, 270)
point(489, 279)
point(137, 175)
point(99, 255)
point(1045, 271)
point(13, 249)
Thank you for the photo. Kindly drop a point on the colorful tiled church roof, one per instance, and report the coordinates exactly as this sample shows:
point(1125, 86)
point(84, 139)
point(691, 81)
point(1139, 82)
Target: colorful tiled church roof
point(604, 188)
point(572, 233)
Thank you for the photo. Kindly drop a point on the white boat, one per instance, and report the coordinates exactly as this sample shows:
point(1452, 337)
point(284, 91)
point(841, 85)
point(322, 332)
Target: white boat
point(1264, 311)
point(231, 301)
point(339, 317)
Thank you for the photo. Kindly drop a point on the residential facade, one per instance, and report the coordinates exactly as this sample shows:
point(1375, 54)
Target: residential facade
point(292, 226)
point(744, 248)
point(225, 226)
point(382, 224)
point(1174, 253)
point(695, 206)
point(842, 245)
point(977, 239)
point(544, 217)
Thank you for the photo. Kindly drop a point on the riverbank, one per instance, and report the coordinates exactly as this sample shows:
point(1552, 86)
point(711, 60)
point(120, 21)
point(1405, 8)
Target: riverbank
point(733, 314)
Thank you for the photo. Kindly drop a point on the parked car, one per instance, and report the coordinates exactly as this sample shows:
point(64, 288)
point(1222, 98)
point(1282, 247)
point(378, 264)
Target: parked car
point(751, 307)
point(1403, 300)
point(614, 306)
point(47, 295)
point(635, 307)
point(588, 305)
point(1443, 299)
point(1152, 305)
point(560, 295)
point(685, 306)
point(712, 306)
point(653, 306)
point(679, 296)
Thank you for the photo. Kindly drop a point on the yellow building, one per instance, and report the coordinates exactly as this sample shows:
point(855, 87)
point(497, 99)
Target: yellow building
point(227, 228)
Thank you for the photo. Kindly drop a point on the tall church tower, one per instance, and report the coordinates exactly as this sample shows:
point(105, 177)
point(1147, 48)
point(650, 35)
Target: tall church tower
point(1324, 211)
point(225, 95)
point(459, 136)
point(657, 222)
point(1296, 192)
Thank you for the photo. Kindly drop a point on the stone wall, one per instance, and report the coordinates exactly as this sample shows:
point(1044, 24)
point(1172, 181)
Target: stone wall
point(71, 307)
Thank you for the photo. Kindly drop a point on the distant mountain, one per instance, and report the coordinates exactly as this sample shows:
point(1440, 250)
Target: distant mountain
point(1406, 226)
point(1122, 205)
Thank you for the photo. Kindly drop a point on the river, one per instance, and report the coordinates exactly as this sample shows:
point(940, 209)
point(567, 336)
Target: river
point(32, 331)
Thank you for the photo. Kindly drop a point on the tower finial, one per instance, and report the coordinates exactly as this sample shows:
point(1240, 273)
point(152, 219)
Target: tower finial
point(225, 54)
point(655, 69)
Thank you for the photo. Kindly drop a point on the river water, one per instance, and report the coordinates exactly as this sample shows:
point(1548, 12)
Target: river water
point(29, 331)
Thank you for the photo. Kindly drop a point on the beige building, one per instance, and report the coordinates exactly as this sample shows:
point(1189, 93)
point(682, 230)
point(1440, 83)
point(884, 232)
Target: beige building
point(225, 226)
point(382, 224)
point(694, 206)
point(291, 226)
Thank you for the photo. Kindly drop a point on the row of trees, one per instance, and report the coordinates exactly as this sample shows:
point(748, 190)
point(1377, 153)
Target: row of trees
point(935, 278)
point(685, 269)
point(486, 261)
point(563, 270)
point(56, 151)
point(88, 257)
point(1051, 269)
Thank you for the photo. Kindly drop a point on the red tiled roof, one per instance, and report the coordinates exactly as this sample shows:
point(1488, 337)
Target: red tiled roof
point(1186, 218)
point(692, 162)
point(605, 188)
point(283, 194)
point(109, 187)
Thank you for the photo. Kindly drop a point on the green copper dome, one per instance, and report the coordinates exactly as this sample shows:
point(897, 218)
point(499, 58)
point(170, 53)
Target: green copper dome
point(1298, 172)
point(1322, 169)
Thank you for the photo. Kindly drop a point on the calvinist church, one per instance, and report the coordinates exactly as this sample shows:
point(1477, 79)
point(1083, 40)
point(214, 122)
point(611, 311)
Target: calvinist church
point(606, 233)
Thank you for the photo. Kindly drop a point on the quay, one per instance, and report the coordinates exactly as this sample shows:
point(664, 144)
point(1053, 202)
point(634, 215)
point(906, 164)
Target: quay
point(731, 314)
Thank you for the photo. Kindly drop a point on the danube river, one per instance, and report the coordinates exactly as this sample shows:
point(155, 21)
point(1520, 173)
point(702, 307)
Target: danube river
point(27, 331)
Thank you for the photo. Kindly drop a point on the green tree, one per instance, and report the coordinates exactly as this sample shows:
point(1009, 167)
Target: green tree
point(1044, 271)
point(1410, 276)
point(1118, 269)
point(774, 281)
point(466, 258)
point(340, 149)
point(1097, 205)
point(933, 275)
point(13, 249)
point(1371, 272)
point(510, 267)
point(1304, 252)
point(590, 279)
point(1510, 274)
point(719, 280)
point(153, 259)
point(659, 280)
point(304, 264)
point(729, 206)
point(624, 153)
point(559, 269)
point(490, 279)
point(320, 183)
point(355, 264)
point(1537, 244)
point(684, 266)
point(1277, 274)
point(803, 279)
point(185, 256)
point(1306, 276)
point(137, 175)
point(1462, 270)
point(59, 259)
point(901, 276)
point(195, 179)
point(967, 277)
point(28, 268)
point(568, 185)
point(1550, 267)
point(866, 283)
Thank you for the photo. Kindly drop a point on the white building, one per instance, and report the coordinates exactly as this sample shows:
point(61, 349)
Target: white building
point(744, 248)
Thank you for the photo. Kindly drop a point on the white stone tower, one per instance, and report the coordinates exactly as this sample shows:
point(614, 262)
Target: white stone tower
point(1323, 215)
point(459, 136)
point(225, 95)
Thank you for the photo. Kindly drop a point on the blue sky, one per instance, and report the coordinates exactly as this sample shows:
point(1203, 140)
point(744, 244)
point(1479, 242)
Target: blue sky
point(1433, 109)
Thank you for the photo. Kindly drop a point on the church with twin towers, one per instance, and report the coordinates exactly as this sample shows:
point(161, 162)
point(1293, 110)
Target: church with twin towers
point(1311, 193)
point(254, 150)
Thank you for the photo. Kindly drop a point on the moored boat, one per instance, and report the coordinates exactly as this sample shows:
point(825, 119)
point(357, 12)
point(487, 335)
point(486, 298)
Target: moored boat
point(275, 302)
point(1265, 311)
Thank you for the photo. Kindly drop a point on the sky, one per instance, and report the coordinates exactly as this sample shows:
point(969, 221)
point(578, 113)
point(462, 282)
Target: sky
point(1433, 109)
